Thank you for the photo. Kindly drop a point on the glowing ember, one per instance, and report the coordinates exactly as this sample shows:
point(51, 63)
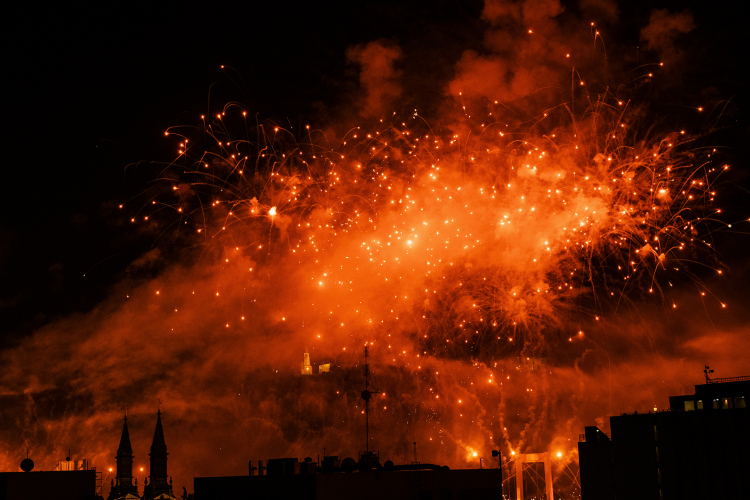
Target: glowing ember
point(480, 243)
point(509, 261)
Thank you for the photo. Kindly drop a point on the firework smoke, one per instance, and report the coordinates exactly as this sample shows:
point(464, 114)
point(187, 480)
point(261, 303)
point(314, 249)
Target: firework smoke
point(462, 242)
point(510, 262)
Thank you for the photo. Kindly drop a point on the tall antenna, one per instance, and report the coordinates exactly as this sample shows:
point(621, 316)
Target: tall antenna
point(366, 396)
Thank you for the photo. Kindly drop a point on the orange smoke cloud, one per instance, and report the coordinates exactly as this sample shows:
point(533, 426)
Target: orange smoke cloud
point(465, 261)
point(663, 34)
point(527, 48)
point(233, 394)
point(378, 77)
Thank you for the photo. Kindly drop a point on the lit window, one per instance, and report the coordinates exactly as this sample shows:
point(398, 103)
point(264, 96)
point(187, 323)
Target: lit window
point(689, 405)
point(716, 404)
point(726, 403)
point(739, 402)
point(700, 404)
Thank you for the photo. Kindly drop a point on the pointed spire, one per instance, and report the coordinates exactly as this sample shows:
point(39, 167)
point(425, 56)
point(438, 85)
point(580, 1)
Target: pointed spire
point(125, 439)
point(157, 484)
point(123, 481)
point(158, 444)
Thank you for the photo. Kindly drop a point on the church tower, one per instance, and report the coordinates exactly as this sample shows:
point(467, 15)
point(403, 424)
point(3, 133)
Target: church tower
point(158, 486)
point(122, 485)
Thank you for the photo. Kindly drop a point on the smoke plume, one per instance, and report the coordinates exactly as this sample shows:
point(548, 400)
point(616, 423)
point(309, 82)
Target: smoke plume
point(519, 268)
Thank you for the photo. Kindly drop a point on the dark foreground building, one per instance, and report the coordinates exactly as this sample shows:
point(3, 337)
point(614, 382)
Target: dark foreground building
point(46, 485)
point(288, 478)
point(699, 448)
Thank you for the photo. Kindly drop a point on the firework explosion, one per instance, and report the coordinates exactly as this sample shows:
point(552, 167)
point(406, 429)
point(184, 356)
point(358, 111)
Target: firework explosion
point(503, 266)
point(475, 245)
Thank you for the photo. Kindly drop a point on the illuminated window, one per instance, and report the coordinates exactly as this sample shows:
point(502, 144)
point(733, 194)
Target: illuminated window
point(726, 403)
point(689, 405)
point(739, 402)
point(716, 404)
point(700, 404)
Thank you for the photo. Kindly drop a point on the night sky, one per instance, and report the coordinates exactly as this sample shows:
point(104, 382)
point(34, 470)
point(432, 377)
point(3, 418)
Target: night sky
point(92, 92)
point(89, 93)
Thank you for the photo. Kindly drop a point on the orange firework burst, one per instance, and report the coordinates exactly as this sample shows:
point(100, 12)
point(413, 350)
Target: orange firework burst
point(476, 240)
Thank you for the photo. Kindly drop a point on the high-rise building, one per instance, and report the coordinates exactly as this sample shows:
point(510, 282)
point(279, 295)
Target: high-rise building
point(700, 448)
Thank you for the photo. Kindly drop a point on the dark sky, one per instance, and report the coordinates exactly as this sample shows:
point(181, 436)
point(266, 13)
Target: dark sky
point(90, 91)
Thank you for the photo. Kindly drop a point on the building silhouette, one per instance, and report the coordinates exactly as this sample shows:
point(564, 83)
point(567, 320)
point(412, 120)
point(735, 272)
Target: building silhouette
point(44, 485)
point(74, 480)
point(70, 480)
point(123, 487)
point(699, 448)
point(159, 485)
point(367, 479)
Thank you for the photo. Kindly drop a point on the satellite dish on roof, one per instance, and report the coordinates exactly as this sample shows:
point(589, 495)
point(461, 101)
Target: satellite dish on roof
point(27, 464)
point(348, 464)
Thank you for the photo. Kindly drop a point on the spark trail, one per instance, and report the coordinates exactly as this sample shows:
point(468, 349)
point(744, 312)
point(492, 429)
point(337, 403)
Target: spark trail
point(463, 249)
point(474, 244)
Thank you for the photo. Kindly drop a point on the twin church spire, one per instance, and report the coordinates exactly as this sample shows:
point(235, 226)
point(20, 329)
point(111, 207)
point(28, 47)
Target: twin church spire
point(158, 486)
point(123, 485)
